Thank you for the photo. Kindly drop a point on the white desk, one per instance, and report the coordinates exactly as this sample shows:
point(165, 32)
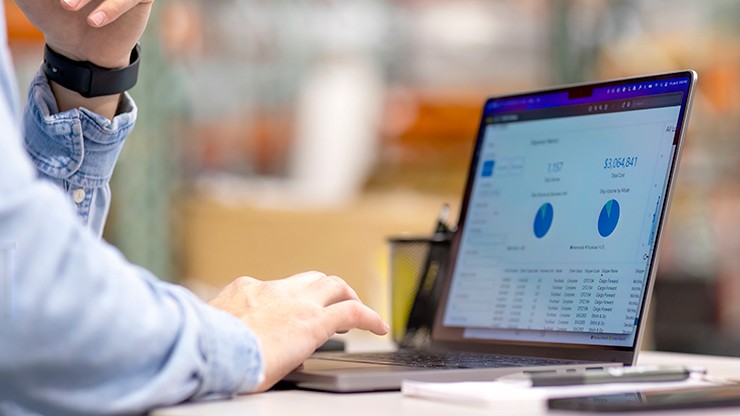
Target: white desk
point(304, 403)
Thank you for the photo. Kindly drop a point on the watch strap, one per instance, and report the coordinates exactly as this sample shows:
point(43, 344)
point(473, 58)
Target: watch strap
point(88, 79)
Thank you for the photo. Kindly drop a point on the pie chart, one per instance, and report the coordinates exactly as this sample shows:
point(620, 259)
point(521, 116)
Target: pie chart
point(609, 218)
point(543, 220)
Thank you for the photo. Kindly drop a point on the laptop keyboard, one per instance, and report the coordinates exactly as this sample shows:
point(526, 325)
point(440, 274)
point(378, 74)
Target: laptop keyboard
point(431, 359)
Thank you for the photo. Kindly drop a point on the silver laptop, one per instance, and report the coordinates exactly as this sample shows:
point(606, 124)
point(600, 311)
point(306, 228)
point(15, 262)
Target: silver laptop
point(553, 263)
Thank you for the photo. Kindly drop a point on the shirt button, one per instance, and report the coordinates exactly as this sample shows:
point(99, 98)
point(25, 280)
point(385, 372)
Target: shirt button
point(78, 195)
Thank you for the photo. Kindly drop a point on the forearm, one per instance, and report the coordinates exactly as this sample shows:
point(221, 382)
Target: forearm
point(106, 106)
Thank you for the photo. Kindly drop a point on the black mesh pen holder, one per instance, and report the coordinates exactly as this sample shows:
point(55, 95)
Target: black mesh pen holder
point(417, 269)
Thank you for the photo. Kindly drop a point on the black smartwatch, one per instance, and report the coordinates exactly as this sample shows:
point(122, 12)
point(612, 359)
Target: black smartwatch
point(88, 79)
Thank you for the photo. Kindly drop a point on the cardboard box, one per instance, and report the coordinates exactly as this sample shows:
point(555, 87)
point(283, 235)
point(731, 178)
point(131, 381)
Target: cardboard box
point(223, 241)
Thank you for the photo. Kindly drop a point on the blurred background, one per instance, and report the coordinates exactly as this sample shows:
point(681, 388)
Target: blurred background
point(280, 136)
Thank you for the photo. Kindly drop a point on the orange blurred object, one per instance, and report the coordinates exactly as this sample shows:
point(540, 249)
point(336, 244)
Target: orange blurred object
point(19, 28)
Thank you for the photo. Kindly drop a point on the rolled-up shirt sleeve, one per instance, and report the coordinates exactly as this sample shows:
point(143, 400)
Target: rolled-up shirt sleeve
point(77, 149)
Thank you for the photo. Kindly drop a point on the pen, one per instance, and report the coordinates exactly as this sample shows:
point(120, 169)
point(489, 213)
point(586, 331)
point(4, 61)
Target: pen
point(441, 228)
point(639, 374)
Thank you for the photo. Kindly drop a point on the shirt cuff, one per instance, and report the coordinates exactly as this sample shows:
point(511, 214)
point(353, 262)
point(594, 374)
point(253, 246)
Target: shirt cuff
point(232, 353)
point(78, 145)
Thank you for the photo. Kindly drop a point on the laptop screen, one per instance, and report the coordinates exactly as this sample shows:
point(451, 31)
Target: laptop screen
point(562, 212)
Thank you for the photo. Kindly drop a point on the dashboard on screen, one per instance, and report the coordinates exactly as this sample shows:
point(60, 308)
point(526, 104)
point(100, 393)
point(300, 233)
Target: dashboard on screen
point(565, 200)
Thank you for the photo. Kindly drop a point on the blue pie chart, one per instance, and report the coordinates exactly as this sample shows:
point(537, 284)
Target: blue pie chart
point(609, 218)
point(543, 220)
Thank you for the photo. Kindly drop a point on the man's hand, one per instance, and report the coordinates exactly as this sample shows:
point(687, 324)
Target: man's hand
point(294, 316)
point(100, 31)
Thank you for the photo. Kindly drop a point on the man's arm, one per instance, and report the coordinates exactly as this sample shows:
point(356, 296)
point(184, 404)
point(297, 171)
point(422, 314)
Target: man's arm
point(74, 141)
point(85, 331)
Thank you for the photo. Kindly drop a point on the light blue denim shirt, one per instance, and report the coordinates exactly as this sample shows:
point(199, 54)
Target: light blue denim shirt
point(83, 331)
